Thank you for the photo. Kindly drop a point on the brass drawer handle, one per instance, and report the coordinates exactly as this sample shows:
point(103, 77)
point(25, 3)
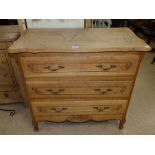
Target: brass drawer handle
point(103, 92)
point(55, 92)
point(101, 109)
point(106, 69)
point(47, 109)
point(128, 65)
point(58, 109)
point(53, 69)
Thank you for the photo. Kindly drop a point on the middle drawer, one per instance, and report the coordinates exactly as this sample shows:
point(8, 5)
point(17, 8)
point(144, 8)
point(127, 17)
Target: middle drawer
point(68, 89)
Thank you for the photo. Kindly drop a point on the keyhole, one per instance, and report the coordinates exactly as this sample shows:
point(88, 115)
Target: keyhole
point(6, 94)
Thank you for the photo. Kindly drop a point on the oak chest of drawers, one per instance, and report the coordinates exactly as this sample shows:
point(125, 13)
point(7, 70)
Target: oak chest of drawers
point(78, 74)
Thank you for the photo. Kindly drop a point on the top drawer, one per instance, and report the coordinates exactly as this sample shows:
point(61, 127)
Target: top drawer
point(110, 64)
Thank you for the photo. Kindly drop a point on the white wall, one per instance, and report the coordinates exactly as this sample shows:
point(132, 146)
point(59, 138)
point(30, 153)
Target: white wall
point(55, 23)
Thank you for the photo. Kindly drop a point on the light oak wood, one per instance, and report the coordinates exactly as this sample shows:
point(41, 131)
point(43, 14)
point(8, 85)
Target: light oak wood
point(5, 77)
point(20, 26)
point(19, 79)
point(10, 97)
point(7, 37)
point(84, 76)
point(77, 118)
point(9, 92)
point(89, 77)
point(79, 40)
point(108, 64)
point(71, 107)
point(88, 23)
point(84, 89)
point(9, 29)
point(4, 45)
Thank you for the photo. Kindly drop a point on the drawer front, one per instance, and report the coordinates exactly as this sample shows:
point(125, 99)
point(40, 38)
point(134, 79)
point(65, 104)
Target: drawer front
point(10, 97)
point(107, 64)
point(5, 77)
point(58, 89)
point(72, 107)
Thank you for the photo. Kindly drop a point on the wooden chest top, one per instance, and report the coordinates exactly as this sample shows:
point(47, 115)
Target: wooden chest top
point(78, 40)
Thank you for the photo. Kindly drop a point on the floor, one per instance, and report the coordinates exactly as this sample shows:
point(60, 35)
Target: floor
point(140, 117)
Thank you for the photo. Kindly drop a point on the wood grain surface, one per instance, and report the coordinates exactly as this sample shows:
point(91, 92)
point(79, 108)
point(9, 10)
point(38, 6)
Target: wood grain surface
point(79, 40)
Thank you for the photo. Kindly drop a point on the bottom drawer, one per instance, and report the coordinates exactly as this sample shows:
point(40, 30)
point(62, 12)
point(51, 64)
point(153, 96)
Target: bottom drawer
point(78, 118)
point(10, 97)
point(78, 107)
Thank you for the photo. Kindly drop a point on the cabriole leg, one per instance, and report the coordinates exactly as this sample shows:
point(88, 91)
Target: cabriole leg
point(35, 125)
point(121, 124)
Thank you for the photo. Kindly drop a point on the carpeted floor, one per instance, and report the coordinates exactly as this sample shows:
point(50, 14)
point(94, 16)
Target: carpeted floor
point(140, 117)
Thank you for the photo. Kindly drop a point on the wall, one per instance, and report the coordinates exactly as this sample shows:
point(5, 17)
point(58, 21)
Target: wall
point(55, 23)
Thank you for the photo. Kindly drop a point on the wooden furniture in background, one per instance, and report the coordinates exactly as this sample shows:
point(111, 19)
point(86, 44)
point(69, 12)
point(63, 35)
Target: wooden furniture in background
point(89, 77)
point(104, 23)
point(145, 27)
point(9, 92)
point(88, 23)
point(21, 26)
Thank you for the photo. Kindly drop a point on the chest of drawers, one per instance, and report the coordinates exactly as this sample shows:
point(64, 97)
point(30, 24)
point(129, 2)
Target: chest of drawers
point(78, 74)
